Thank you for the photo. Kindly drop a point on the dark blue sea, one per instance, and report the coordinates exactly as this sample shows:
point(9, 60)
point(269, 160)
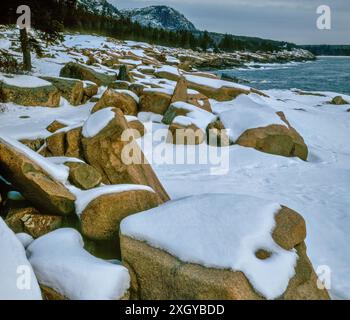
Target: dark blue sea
point(324, 74)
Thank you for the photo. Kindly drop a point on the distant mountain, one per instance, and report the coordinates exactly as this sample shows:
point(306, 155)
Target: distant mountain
point(99, 7)
point(160, 17)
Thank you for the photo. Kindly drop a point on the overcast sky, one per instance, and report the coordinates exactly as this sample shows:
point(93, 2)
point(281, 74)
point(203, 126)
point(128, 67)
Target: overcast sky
point(289, 20)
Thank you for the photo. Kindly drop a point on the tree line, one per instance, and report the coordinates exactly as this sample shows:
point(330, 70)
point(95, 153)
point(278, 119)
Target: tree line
point(51, 17)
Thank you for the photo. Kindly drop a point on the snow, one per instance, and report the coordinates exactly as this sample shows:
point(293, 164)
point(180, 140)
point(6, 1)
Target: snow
point(24, 81)
point(244, 113)
point(183, 121)
point(214, 83)
point(17, 280)
point(168, 91)
point(14, 125)
point(57, 172)
point(97, 122)
point(169, 69)
point(201, 118)
point(130, 61)
point(63, 160)
point(84, 198)
point(149, 116)
point(219, 231)
point(25, 239)
point(131, 118)
point(72, 271)
point(5, 44)
point(209, 82)
point(130, 93)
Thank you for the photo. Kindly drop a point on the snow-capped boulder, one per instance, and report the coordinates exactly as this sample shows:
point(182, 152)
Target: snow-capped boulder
point(28, 91)
point(188, 123)
point(123, 99)
point(197, 116)
point(120, 85)
point(81, 72)
point(70, 272)
point(217, 135)
point(185, 133)
point(275, 139)
point(339, 101)
point(102, 209)
point(107, 150)
point(156, 101)
point(253, 123)
point(199, 100)
point(90, 89)
point(182, 94)
point(17, 279)
point(40, 182)
point(32, 222)
point(70, 89)
point(213, 88)
point(182, 250)
point(216, 89)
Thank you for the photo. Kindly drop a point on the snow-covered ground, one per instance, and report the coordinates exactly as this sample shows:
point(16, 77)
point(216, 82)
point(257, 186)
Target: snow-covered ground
point(318, 189)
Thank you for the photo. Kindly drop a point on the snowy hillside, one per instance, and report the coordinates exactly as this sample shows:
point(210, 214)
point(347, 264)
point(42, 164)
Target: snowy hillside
point(161, 17)
point(264, 205)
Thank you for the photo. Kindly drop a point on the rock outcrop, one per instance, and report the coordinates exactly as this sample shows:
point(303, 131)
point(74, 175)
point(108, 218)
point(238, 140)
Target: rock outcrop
point(107, 152)
point(185, 135)
point(121, 100)
point(36, 185)
point(81, 72)
point(154, 101)
point(83, 176)
point(35, 92)
point(100, 220)
point(156, 273)
point(276, 139)
point(64, 143)
point(31, 221)
point(70, 89)
point(339, 101)
point(54, 126)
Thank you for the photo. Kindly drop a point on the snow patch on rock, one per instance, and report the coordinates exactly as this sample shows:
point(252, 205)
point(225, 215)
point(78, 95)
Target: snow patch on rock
point(219, 231)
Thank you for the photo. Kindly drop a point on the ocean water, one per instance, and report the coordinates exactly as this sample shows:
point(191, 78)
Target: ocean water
point(324, 74)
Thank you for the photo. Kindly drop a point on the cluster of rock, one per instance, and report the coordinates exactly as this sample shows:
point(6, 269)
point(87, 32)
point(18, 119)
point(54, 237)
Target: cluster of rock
point(76, 177)
point(211, 60)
